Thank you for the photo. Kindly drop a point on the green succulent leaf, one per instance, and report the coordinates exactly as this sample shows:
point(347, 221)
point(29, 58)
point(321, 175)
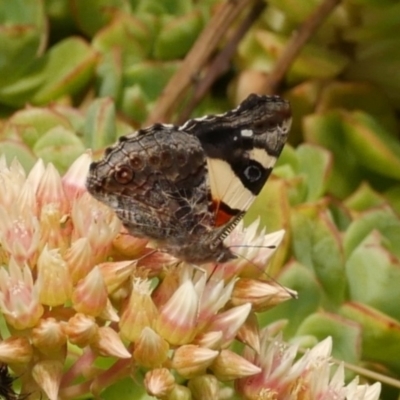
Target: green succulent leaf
point(314, 163)
point(150, 76)
point(92, 15)
point(20, 92)
point(109, 74)
point(177, 35)
point(99, 130)
point(365, 198)
point(327, 130)
point(11, 149)
point(377, 61)
point(135, 103)
point(317, 245)
point(373, 146)
point(358, 96)
point(173, 7)
point(380, 334)
point(299, 278)
point(22, 33)
point(32, 123)
point(393, 197)
point(383, 220)
point(60, 146)
point(69, 66)
point(346, 335)
point(314, 62)
point(128, 37)
point(374, 275)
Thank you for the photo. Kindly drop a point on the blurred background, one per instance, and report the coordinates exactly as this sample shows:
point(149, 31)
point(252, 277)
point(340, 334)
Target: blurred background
point(79, 74)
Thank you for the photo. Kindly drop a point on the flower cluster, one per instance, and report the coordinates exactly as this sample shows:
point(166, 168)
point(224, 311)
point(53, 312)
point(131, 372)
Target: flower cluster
point(75, 288)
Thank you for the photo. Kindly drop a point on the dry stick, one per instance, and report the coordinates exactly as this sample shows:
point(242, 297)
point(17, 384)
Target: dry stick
point(196, 58)
point(296, 43)
point(220, 64)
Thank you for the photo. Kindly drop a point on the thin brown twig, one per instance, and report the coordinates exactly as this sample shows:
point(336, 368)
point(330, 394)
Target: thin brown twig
point(221, 62)
point(196, 58)
point(296, 43)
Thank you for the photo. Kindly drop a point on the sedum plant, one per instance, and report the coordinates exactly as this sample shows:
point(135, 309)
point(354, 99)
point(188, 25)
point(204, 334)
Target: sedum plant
point(77, 75)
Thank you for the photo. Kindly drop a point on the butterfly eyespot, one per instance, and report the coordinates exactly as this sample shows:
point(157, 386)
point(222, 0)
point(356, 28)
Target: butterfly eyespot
point(136, 163)
point(154, 160)
point(124, 175)
point(181, 158)
point(166, 158)
point(252, 173)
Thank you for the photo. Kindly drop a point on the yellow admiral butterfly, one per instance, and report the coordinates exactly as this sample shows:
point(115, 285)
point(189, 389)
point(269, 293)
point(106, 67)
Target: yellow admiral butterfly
point(186, 187)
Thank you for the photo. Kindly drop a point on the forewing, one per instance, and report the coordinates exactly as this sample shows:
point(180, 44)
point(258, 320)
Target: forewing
point(153, 179)
point(242, 147)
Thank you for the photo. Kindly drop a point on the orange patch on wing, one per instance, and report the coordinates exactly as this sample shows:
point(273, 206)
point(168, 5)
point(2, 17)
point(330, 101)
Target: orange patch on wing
point(222, 217)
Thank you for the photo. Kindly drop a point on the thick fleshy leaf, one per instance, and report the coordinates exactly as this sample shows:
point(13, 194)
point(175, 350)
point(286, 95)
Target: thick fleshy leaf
point(109, 73)
point(177, 35)
point(60, 146)
point(131, 36)
point(317, 245)
point(135, 104)
point(383, 220)
point(374, 275)
point(99, 130)
point(375, 62)
point(20, 92)
point(69, 66)
point(303, 100)
point(340, 215)
point(296, 12)
point(301, 279)
point(361, 96)
point(74, 116)
point(378, 22)
point(327, 130)
point(22, 33)
point(346, 335)
point(16, 149)
point(315, 164)
point(92, 15)
point(380, 334)
point(272, 208)
point(174, 7)
point(150, 76)
point(365, 198)
point(373, 146)
point(393, 197)
point(143, 83)
point(33, 122)
point(314, 62)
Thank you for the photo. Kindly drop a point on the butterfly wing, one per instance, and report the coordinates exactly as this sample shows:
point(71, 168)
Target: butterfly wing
point(241, 147)
point(155, 180)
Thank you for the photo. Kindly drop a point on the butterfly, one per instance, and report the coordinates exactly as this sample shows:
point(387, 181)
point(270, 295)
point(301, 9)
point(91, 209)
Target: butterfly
point(186, 187)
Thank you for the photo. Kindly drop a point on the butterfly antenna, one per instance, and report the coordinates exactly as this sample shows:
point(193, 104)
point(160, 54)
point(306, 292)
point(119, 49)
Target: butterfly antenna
point(291, 293)
point(253, 246)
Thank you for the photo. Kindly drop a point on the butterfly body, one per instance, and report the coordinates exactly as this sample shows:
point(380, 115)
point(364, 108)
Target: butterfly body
point(186, 187)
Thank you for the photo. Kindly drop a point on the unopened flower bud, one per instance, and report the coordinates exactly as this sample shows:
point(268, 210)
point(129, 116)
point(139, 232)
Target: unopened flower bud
point(229, 366)
point(90, 295)
point(106, 342)
point(151, 350)
point(205, 387)
point(48, 374)
point(191, 360)
point(80, 329)
point(159, 382)
point(49, 336)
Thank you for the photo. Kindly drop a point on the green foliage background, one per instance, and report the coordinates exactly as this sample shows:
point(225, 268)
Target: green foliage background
point(78, 74)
